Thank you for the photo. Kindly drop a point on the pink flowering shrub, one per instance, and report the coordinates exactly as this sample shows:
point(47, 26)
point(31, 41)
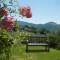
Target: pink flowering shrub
point(7, 22)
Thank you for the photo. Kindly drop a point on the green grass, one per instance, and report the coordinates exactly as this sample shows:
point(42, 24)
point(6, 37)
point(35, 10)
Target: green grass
point(19, 53)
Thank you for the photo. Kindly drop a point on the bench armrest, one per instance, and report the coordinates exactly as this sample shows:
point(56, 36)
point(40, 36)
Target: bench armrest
point(47, 41)
point(26, 41)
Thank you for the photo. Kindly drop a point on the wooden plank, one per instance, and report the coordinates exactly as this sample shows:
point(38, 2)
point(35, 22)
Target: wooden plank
point(38, 44)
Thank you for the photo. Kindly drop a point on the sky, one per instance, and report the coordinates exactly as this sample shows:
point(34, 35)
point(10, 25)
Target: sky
point(43, 11)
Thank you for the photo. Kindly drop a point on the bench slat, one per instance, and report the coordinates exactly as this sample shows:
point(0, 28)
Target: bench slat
point(37, 44)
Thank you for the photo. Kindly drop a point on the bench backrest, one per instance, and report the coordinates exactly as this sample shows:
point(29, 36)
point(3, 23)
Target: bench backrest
point(32, 39)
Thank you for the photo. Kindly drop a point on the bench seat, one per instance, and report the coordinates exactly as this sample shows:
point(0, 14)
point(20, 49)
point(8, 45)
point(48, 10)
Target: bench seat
point(46, 44)
point(37, 44)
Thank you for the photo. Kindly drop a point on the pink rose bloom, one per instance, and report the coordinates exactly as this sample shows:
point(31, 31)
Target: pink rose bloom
point(8, 22)
point(25, 11)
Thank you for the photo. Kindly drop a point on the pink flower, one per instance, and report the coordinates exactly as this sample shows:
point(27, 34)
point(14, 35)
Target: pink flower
point(3, 11)
point(25, 11)
point(8, 23)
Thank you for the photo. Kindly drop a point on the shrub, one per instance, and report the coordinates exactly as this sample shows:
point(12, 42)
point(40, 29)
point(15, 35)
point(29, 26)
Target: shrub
point(52, 41)
point(6, 42)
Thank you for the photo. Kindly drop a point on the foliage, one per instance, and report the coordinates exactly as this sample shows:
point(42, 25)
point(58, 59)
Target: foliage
point(6, 42)
point(54, 40)
point(9, 30)
point(16, 26)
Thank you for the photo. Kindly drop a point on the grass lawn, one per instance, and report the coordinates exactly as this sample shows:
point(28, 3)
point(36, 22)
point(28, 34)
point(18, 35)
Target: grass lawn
point(19, 53)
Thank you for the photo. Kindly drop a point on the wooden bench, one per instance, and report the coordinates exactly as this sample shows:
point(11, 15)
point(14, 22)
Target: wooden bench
point(39, 42)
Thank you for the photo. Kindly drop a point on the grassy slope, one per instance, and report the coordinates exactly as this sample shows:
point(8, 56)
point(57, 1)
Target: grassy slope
point(18, 53)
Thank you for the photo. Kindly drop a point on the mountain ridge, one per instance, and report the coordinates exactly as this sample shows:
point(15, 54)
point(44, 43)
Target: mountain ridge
point(49, 26)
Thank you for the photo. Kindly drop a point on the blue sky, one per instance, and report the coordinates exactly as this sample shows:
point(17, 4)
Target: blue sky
point(43, 11)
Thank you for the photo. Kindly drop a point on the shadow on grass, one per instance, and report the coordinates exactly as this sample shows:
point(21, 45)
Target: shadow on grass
point(36, 51)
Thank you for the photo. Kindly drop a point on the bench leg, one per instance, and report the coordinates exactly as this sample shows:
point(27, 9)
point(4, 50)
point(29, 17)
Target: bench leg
point(26, 48)
point(47, 48)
